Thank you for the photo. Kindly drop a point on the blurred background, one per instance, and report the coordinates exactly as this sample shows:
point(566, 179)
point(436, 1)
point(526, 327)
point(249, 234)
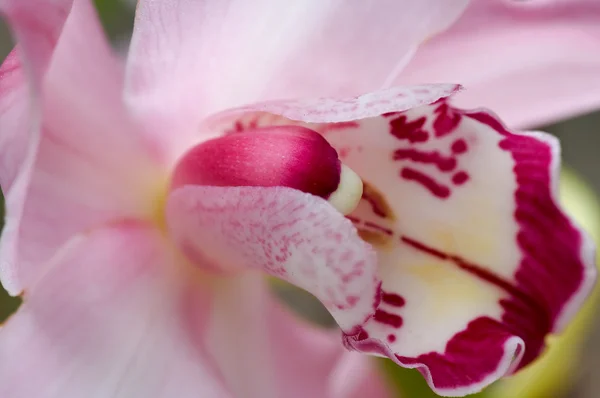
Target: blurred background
point(571, 367)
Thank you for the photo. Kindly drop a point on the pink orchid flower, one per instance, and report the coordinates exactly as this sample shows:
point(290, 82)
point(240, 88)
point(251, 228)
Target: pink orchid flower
point(145, 204)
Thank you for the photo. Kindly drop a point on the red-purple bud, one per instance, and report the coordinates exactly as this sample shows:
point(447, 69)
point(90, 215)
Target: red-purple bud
point(289, 156)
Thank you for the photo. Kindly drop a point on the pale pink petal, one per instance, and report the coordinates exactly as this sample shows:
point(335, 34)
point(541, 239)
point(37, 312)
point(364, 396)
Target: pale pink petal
point(37, 25)
point(90, 167)
point(116, 314)
point(532, 62)
point(14, 120)
point(477, 261)
point(106, 319)
point(190, 58)
point(293, 235)
point(264, 351)
point(354, 378)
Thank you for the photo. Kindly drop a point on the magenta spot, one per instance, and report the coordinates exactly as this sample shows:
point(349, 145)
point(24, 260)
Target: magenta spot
point(459, 146)
point(442, 162)
point(393, 299)
point(352, 300)
point(387, 318)
point(362, 335)
point(411, 131)
point(439, 190)
point(460, 178)
point(391, 338)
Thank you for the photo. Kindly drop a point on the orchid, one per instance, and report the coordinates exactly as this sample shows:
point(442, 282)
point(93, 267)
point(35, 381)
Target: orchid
point(147, 202)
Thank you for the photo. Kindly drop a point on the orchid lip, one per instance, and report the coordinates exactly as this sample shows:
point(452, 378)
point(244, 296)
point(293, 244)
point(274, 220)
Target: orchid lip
point(290, 156)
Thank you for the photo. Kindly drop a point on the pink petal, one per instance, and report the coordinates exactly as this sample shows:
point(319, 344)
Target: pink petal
point(337, 110)
point(478, 262)
point(90, 167)
point(37, 25)
point(295, 236)
point(354, 378)
point(191, 58)
point(104, 321)
point(113, 317)
point(14, 121)
point(248, 328)
point(533, 62)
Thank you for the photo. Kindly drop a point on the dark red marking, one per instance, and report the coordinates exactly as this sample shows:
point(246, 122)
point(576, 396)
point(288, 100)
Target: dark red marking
point(439, 190)
point(391, 338)
point(386, 231)
point(460, 178)
point(377, 208)
point(387, 318)
point(459, 146)
point(338, 126)
point(473, 269)
point(352, 300)
point(446, 121)
point(362, 335)
point(550, 273)
point(413, 131)
point(441, 162)
point(353, 219)
point(393, 299)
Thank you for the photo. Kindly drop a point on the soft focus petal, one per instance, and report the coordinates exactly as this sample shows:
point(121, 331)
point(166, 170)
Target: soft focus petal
point(14, 120)
point(264, 351)
point(88, 153)
point(104, 322)
point(190, 58)
point(37, 25)
point(354, 378)
point(469, 237)
point(112, 316)
point(532, 62)
point(289, 234)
